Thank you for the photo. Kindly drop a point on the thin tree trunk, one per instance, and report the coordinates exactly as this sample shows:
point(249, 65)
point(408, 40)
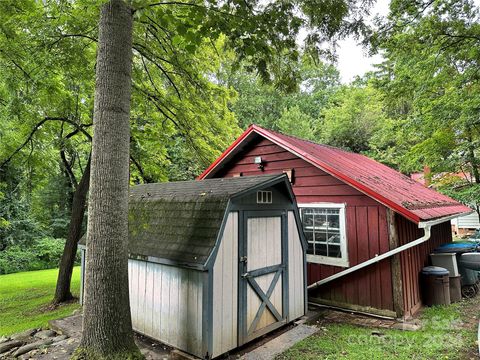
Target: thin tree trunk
point(62, 291)
point(474, 164)
point(107, 327)
point(473, 161)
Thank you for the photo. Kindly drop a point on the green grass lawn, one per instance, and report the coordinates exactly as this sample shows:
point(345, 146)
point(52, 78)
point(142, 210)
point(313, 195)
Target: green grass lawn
point(25, 298)
point(448, 333)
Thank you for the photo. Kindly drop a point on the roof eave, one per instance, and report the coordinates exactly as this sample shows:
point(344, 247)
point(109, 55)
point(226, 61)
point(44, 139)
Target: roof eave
point(220, 159)
point(432, 222)
point(280, 178)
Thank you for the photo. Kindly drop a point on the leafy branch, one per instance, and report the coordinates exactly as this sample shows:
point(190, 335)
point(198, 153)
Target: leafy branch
point(80, 128)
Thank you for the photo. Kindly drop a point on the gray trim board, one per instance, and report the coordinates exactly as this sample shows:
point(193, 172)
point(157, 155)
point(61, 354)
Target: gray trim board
point(207, 315)
point(286, 272)
point(213, 255)
point(241, 289)
point(169, 262)
point(277, 180)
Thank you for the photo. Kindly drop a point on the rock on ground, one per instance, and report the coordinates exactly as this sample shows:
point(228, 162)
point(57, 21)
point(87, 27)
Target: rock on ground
point(44, 334)
point(24, 334)
point(9, 345)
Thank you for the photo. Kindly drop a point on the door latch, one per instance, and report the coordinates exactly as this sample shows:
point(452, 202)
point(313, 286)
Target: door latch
point(243, 259)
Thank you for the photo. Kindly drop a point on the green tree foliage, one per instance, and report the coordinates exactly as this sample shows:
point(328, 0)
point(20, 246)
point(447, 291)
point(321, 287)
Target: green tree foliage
point(430, 81)
point(46, 104)
point(265, 104)
point(354, 115)
point(180, 107)
point(42, 253)
point(17, 226)
point(295, 122)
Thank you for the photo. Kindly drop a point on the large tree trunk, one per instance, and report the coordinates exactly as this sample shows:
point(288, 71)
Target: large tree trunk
point(62, 291)
point(107, 327)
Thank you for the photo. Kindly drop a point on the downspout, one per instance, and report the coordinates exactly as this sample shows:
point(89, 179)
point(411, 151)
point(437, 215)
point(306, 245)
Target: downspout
point(425, 225)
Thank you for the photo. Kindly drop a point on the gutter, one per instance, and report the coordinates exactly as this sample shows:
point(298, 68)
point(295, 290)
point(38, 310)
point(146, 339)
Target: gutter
point(425, 225)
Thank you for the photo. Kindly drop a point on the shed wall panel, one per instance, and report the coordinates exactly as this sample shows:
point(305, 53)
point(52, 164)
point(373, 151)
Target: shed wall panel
point(165, 302)
point(296, 279)
point(414, 259)
point(367, 229)
point(225, 289)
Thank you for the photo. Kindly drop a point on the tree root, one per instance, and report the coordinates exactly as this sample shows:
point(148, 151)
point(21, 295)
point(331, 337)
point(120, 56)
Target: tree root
point(85, 353)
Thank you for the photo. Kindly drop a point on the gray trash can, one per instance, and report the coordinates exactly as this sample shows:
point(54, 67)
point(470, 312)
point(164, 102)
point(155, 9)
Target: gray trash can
point(435, 286)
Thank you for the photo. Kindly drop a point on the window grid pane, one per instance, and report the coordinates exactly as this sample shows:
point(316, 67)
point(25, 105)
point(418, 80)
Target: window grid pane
point(322, 229)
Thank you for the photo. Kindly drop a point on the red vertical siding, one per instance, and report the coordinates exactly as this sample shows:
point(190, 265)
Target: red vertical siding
point(413, 260)
point(367, 231)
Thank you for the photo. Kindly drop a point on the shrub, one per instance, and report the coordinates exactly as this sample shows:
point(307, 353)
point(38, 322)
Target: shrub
point(42, 254)
point(15, 259)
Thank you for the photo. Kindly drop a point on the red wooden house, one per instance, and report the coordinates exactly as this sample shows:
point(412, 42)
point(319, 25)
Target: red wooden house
point(369, 228)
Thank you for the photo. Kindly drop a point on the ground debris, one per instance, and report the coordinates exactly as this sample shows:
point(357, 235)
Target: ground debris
point(32, 346)
point(9, 345)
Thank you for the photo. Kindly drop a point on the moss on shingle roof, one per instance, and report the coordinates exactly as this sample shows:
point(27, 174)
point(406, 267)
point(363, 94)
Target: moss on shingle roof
point(180, 221)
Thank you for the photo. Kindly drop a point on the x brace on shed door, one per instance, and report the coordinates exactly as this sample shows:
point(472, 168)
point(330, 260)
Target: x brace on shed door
point(263, 280)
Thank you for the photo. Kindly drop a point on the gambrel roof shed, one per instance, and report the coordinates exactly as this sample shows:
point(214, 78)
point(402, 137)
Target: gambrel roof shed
point(382, 183)
point(214, 264)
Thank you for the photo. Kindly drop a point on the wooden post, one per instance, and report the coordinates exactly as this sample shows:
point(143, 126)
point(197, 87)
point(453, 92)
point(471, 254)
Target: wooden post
point(397, 284)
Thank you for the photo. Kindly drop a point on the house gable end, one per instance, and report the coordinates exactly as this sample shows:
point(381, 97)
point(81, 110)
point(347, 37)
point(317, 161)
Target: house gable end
point(310, 183)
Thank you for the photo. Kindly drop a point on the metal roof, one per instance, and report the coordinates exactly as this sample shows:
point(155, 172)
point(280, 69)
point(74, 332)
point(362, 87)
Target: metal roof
point(382, 183)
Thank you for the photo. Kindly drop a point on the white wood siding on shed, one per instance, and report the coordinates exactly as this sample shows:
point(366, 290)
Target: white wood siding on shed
point(225, 289)
point(166, 304)
point(296, 281)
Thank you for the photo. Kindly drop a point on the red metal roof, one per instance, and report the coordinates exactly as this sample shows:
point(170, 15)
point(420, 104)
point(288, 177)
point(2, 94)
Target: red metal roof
point(389, 187)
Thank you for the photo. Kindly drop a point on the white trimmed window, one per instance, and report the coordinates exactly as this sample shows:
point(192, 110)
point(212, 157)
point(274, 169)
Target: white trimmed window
point(324, 228)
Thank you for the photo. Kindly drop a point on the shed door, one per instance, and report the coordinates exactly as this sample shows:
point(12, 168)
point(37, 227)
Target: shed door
point(263, 275)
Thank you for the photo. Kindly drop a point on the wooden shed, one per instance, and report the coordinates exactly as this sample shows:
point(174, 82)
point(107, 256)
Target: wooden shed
point(216, 263)
point(369, 228)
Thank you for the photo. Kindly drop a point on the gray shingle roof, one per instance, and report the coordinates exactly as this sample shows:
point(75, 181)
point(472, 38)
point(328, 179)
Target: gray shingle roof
point(180, 221)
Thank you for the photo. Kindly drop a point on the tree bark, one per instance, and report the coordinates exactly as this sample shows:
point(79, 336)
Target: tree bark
point(474, 164)
point(62, 291)
point(107, 328)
